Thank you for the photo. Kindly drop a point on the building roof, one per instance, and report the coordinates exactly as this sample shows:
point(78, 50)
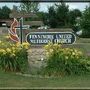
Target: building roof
point(6, 20)
point(20, 14)
point(33, 23)
point(49, 30)
point(52, 30)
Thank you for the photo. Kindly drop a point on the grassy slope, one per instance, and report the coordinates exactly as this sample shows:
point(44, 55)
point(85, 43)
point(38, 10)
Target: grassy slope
point(11, 80)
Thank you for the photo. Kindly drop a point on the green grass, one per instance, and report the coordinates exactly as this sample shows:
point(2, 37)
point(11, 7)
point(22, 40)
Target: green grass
point(83, 40)
point(84, 47)
point(11, 80)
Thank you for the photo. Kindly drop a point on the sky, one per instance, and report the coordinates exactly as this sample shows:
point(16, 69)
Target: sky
point(43, 6)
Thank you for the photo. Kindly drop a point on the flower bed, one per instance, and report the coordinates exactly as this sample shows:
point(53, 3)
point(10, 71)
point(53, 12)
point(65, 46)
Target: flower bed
point(13, 57)
point(65, 61)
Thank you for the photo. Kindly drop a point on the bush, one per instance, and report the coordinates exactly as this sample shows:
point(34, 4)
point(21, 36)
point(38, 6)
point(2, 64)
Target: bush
point(13, 57)
point(64, 61)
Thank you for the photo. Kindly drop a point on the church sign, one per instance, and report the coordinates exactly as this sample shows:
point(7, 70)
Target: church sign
point(41, 38)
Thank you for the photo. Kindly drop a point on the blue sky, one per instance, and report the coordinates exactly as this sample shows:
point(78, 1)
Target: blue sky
point(43, 6)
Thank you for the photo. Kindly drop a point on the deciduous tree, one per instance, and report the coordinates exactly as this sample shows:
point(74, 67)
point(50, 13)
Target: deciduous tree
point(29, 7)
point(85, 22)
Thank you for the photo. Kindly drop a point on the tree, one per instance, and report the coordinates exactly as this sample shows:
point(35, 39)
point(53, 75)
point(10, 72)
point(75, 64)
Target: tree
point(16, 8)
point(58, 15)
point(0, 13)
point(4, 12)
point(73, 16)
point(62, 14)
point(52, 21)
point(85, 22)
point(44, 17)
point(29, 7)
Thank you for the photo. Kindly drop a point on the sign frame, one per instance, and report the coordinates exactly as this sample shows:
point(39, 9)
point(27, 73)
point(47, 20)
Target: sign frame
point(52, 33)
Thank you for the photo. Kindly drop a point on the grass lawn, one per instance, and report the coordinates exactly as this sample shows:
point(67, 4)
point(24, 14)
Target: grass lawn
point(84, 47)
point(11, 80)
point(83, 40)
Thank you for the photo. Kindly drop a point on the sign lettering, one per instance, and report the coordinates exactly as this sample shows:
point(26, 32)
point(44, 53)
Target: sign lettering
point(40, 38)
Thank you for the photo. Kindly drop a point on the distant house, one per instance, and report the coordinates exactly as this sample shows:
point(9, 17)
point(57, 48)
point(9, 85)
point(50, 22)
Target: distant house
point(5, 22)
point(29, 18)
point(34, 23)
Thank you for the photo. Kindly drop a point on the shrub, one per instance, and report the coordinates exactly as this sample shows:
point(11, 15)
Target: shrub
point(13, 57)
point(64, 61)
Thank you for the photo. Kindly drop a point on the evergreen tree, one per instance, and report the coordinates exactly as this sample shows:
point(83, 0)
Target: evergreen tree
point(52, 17)
point(4, 12)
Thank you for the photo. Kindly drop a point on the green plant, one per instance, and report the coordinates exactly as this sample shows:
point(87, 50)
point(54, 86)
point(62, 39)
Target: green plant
point(22, 58)
point(13, 57)
point(65, 61)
